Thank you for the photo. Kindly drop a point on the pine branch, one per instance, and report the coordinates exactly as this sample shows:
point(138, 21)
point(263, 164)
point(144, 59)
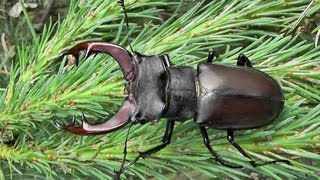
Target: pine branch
point(42, 89)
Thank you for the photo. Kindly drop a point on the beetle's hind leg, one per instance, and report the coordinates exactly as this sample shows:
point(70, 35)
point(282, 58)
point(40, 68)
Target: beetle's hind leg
point(243, 61)
point(206, 141)
point(230, 137)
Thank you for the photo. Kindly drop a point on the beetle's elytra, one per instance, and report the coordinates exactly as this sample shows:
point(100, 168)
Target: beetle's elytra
point(216, 96)
point(236, 97)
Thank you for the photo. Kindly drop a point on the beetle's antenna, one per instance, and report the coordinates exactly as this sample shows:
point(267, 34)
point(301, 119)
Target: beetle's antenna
point(124, 153)
point(121, 2)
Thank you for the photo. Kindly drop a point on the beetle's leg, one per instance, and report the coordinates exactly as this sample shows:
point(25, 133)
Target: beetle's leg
point(206, 141)
point(124, 152)
point(165, 141)
point(121, 2)
point(230, 137)
point(211, 56)
point(243, 61)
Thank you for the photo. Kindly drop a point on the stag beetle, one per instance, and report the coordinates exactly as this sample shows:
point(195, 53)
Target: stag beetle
point(217, 96)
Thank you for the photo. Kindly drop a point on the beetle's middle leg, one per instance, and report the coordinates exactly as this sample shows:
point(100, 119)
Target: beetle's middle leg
point(206, 141)
point(230, 137)
point(165, 141)
point(243, 61)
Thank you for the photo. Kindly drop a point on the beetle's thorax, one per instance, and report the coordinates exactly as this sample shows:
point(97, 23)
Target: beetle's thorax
point(181, 93)
point(158, 90)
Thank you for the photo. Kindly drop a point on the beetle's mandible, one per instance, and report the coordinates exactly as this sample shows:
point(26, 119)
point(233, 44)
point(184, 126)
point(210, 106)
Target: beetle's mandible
point(216, 96)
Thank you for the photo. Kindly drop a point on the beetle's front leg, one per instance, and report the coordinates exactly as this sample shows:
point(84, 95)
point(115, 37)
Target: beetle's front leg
point(165, 141)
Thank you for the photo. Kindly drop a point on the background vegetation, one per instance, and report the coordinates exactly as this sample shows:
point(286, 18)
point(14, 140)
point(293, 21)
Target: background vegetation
point(280, 37)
